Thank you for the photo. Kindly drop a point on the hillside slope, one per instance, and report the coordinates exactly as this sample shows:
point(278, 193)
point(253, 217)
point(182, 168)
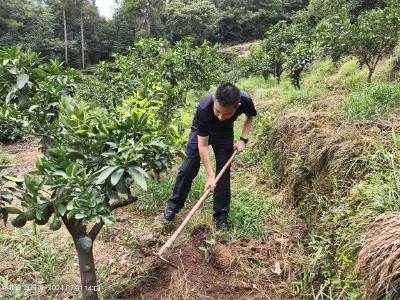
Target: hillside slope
point(319, 184)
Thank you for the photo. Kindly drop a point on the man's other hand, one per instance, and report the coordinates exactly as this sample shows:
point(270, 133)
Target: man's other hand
point(240, 146)
point(210, 184)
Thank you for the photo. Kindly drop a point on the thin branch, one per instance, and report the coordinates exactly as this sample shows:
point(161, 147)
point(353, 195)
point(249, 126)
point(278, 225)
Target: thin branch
point(123, 203)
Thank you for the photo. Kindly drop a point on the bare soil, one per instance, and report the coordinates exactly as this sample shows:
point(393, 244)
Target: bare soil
point(197, 277)
point(241, 50)
point(24, 155)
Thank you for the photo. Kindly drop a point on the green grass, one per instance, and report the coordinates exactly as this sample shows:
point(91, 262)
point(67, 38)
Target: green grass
point(319, 73)
point(41, 261)
point(298, 96)
point(263, 93)
point(249, 210)
point(337, 224)
point(158, 193)
point(252, 84)
point(375, 100)
point(5, 158)
point(348, 68)
point(351, 77)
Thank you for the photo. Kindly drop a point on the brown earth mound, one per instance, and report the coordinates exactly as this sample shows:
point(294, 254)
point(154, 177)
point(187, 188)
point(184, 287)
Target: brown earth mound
point(312, 147)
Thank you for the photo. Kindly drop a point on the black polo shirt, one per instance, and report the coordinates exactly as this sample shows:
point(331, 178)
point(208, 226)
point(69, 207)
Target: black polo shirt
point(206, 123)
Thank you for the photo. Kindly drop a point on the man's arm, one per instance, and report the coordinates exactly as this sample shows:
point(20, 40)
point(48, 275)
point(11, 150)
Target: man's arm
point(205, 158)
point(248, 123)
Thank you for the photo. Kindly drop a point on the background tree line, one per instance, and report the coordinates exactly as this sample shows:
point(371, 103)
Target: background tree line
point(56, 28)
point(74, 31)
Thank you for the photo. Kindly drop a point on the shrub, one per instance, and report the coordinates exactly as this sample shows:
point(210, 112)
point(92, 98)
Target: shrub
point(374, 34)
point(155, 75)
point(299, 59)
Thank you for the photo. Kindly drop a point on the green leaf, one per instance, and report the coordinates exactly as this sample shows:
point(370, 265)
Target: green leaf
point(138, 176)
point(80, 131)
point(62, 208)
point(70, 170)
point(60, 173)
point(116, 176)
point(105, 174)
point(13, 210)
point(33, 107)
point(80, 216)
point(11, 92)
point(108, 220)
point(146, 138)
point(14, 179)
point(70, 205)
point(22, 79)
point(6, 196)
point(70, 214)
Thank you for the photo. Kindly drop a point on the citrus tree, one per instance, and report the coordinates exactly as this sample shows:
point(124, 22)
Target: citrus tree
point(375, 34)
point(157, 73)
point(262, 62)
point(332, 34)
point(298, 60)
point(277, 45)
point(92, 168)
point(192, 67)
point(30, 92)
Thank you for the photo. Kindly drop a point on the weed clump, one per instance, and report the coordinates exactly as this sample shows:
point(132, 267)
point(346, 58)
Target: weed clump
point(372, 101)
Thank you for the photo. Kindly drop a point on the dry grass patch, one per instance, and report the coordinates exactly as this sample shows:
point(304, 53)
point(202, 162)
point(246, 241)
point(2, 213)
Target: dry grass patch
point(379, 260)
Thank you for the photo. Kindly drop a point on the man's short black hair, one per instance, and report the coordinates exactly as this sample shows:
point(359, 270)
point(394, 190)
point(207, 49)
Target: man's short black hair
point(227, 94)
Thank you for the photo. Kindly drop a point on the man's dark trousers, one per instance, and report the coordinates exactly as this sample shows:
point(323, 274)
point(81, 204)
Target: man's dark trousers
point(223, 149)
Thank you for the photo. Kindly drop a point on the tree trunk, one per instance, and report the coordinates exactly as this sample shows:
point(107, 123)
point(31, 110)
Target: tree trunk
point(46, 141)
point(278, 73)
point(147, 20)
point(87, 268)
point(82, 38)
point(65, 37)
point(370, 73)
point(87, 271)
point(296, 79)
